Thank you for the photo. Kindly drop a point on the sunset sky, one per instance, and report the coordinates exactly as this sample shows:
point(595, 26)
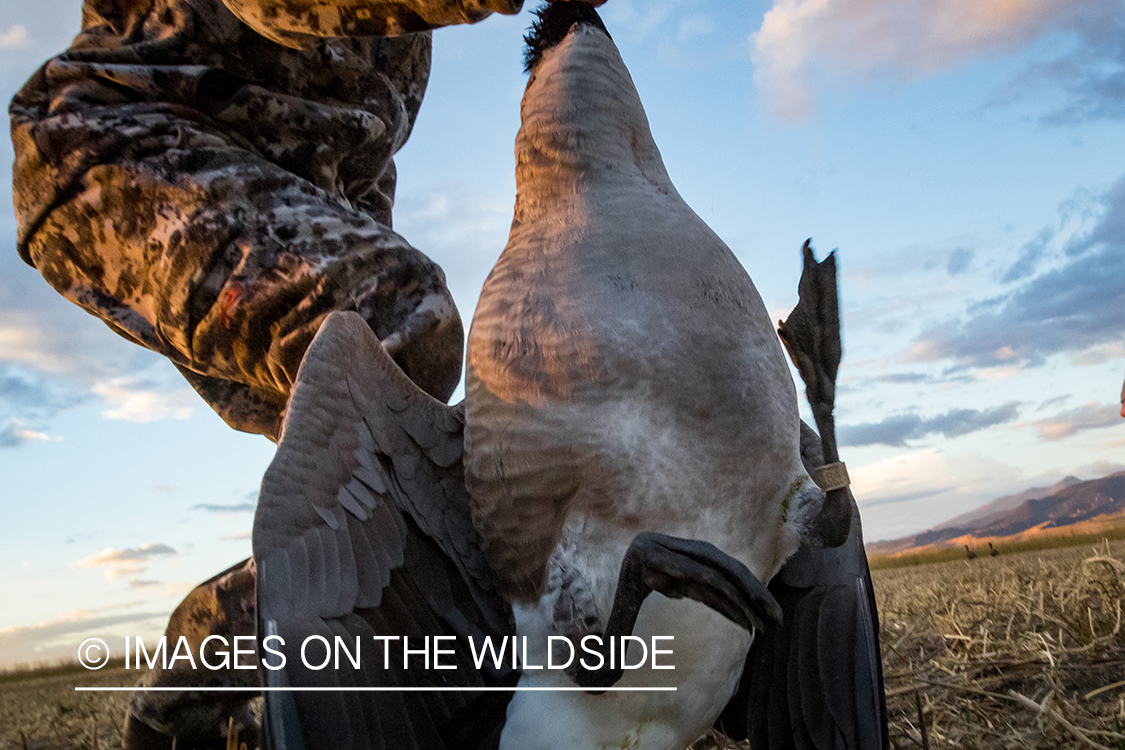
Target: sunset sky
point(966, 157)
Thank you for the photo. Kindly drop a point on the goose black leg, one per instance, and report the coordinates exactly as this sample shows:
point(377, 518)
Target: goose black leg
point(811, 335)
point(680, 569)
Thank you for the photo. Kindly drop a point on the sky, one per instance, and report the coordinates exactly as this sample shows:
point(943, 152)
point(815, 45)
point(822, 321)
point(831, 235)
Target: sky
point(966, 159)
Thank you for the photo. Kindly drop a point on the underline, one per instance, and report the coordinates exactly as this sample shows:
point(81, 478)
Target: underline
point(372, 689)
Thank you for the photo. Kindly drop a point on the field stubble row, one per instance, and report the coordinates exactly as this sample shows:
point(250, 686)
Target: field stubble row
point(1019, 651)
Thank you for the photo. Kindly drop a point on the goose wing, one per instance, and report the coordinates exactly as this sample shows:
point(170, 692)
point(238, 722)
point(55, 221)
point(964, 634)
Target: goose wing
point(363, 530)
point(816, 683)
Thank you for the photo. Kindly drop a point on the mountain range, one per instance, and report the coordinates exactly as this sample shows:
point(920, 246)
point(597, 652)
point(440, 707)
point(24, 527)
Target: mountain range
point(1071, 504)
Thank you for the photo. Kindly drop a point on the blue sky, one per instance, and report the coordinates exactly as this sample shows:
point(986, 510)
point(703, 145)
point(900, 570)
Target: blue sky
point(967, 157)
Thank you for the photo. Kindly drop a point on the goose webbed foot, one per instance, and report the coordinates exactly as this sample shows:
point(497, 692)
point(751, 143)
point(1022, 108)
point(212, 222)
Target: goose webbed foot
point(811, 335)
point(679, 569)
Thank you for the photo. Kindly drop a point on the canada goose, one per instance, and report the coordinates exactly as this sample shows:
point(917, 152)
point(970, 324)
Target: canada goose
point(623, 377)
point(969, 554)
point(629, 425)
point(992, 551)
point(803, 679)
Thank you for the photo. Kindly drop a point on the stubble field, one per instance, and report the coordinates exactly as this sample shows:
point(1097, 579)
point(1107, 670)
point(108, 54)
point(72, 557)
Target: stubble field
point(1019, 651)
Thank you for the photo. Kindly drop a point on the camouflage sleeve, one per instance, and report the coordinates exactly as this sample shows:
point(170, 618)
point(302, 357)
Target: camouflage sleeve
point(212, 196)
point(295, 22)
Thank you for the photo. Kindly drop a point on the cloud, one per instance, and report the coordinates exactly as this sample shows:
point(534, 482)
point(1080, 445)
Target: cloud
point(233, 508)
point(117, 556)
point(1110, 228)
point(124, 564)
point(896, 430)
point(1069, 309)
point(959, 261)
point(903, 377)
point(61, 637)
point(1090, 73)
point(1030, 254)
point(1056, 401)
point(1099, 354)
point(636, 20)
point(13, 436)
point(915, 489)
point(802, 42)
point(27, 393)
point(128, 573)
point(1091, 416)
point(44, 335)
point(1100, 468)
point(134, 400)
point(695, 25)
point(240, 536)
point(27, 396)
point(55, 356)
point(14, 37)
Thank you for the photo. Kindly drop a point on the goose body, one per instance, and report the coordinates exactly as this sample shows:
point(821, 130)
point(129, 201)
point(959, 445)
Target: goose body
point(623, 376)
point(624, 385)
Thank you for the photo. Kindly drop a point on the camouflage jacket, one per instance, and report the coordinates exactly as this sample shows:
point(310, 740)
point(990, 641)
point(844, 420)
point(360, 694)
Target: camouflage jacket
point(212, 193)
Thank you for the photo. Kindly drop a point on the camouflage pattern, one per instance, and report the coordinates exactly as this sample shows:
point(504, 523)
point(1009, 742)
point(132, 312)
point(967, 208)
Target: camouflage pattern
point(211, 194)
point(222, 606)
point(211, 189)
point(295, 22)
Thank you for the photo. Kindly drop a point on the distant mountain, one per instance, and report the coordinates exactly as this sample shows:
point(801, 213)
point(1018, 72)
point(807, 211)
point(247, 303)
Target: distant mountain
point(1068, 503)
point(1002, 504)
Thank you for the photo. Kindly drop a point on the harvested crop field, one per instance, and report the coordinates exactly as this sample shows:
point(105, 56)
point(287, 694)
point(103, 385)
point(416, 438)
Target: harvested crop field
point(1019, 651)
point(41, 711)
point(1023, 650)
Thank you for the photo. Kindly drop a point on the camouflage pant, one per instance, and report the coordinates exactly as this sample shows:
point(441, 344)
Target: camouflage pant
point(222, 606)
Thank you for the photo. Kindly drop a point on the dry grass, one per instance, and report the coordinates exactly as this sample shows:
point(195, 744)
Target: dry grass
point(41, 710)
point(1019, 651)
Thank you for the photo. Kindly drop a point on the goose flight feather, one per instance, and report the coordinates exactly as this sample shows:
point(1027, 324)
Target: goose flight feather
point(362, 529)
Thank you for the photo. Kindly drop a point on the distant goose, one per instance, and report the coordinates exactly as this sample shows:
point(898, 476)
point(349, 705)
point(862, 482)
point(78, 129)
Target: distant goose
point(969, 554)
point(992, 551)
